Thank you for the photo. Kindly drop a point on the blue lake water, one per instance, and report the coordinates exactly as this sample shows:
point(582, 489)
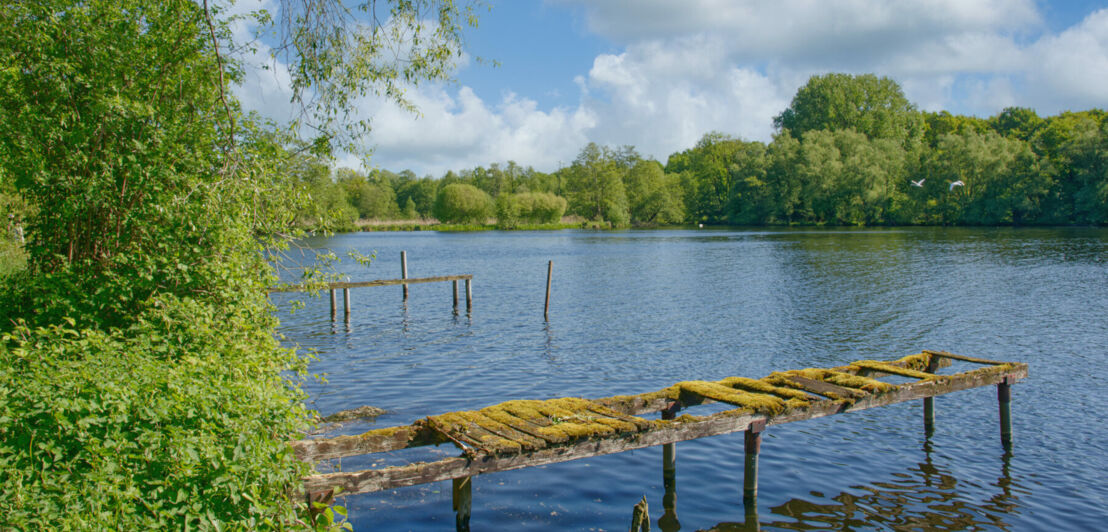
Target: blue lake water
point(636, 311)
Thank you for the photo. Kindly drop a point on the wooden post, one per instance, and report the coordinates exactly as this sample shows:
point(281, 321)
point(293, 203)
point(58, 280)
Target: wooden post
point(334, 305)
point(346, 303)
point(404, 271)
point(463, 502)
point(752, 445)
point(469, 294)
point(455, 294)
point(1004, 397)
point(929, 402)
point(669, 520)
point(549, 273)
point(928, 415)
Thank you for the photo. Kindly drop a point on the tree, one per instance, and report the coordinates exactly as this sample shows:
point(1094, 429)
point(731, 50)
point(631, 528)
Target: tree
point(873, 106)
point(594, 185)
point(654, 197)
point(139, 359)
point(458, 203)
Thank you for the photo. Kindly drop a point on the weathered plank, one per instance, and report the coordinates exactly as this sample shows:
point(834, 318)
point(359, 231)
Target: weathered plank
point(681, 429)
point(824, 388)
point(963, 358)
point(360, 284)
point(374, 441)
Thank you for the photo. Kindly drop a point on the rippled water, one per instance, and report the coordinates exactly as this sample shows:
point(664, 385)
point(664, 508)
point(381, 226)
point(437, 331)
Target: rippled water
point(637, 311)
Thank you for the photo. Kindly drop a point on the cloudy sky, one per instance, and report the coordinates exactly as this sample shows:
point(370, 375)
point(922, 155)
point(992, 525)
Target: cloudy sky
point(658, 74)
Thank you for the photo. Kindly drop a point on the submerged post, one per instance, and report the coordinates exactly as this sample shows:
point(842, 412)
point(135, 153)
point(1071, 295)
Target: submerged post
point(469, 294)
point(549, 273)
point(455, 294)
point(1004, 397)
point(929, 402)
point(334, 305)
point(346, 303)
point(463, 502)
point(404, 271)
point(753, 445)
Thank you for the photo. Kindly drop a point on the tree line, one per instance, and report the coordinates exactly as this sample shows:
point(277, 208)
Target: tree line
point(849, 150)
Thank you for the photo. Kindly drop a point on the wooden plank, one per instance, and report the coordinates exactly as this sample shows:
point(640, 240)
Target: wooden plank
point(721, 423)
point(824, 388)
point(374, 441)
point(360, 284)
point(963, 358)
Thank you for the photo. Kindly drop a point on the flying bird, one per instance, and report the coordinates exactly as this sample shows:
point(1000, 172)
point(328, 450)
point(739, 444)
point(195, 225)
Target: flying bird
point(957, 183)
point(918, 183)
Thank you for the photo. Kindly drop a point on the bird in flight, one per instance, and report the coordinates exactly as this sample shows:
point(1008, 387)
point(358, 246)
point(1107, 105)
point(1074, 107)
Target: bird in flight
point(957, 183)
point(918, 183)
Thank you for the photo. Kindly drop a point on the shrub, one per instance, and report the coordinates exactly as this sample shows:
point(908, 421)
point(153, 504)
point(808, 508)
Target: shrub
point(458, 203)
point(530, 207)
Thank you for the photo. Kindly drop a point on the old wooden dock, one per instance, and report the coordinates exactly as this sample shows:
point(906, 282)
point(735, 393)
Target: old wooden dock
point(404, 281)
point(527, 433)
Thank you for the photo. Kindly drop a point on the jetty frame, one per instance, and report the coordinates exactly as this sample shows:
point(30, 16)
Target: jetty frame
point(520, 434)
point(404, 281)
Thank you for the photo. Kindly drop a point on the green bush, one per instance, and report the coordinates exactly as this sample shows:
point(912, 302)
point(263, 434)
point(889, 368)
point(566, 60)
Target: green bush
point(460, 204)
point(177, 421)
point(530, 207)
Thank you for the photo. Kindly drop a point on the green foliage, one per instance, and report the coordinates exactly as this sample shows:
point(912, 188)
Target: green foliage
point(873, 106)
point(141, 384)
point(530, 207)
point(177, 421)
point(655, 197)
point(458, 203)
point(594, 185)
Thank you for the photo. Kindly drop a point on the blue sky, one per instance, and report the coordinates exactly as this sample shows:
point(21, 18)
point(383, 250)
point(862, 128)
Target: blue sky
point(658, 74)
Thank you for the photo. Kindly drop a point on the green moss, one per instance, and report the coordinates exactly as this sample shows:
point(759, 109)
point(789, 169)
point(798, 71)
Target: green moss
point(839, 378)
point(761, 403)
point(762, 386)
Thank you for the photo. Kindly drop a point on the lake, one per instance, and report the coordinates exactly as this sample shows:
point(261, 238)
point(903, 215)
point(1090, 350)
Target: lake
point(636, 311)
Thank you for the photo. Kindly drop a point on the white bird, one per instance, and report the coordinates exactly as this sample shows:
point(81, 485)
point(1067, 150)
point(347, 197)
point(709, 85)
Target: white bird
point(957, 183)
point(918, 183)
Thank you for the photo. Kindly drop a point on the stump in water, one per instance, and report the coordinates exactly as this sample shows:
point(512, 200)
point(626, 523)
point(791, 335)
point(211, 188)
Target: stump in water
point(640, 518)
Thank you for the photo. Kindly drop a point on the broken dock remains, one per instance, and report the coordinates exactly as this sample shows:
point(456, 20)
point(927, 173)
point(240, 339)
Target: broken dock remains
point(404, 280)
point(526, 433)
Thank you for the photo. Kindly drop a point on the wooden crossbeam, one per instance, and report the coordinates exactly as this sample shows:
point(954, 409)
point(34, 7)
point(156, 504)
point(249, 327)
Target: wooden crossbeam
point(360, 284)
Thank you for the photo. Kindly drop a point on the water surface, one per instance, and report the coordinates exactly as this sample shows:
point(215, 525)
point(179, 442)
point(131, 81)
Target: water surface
point(636, 311)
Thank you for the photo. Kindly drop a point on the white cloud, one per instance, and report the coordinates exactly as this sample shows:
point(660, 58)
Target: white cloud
point(1072, 67)
point(685, 68)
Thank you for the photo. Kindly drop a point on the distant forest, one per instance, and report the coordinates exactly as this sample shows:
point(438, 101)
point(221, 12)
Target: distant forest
point(849, 150)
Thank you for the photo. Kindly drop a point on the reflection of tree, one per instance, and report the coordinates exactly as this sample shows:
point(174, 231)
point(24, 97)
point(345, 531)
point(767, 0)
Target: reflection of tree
point(925, 497)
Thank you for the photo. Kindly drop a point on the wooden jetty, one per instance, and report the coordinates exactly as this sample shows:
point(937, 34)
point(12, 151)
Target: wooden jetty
point(404, 280)
point(527, 433)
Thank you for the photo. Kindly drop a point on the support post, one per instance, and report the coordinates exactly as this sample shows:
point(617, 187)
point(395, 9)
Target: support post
point(463, 502)
point(404, 271)
point(469, 295)
point(1004, 397)
point(929, 402)
point(669, 522)
point(455, 294)
point(346, 303)
point(753, 445)
point(334, 305)
point(928, 415)
point(549, 273)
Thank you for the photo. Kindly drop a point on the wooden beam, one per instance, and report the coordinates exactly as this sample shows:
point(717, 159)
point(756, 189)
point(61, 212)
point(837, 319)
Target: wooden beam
point(963, 358)
point(697, 427)
point(360, 284)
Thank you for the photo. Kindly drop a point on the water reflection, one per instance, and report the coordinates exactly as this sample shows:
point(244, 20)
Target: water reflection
point(925, 497)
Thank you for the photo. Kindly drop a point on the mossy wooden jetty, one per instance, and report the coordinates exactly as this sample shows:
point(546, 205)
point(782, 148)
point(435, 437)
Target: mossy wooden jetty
point(525, 433)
